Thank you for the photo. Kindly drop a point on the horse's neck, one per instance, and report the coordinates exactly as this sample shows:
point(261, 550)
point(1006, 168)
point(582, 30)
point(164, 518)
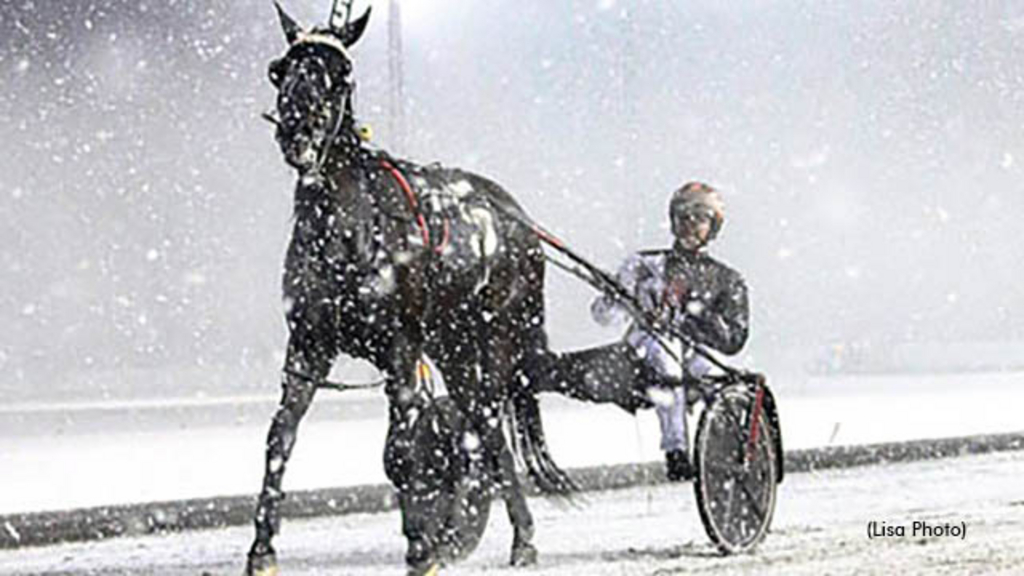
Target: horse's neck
point(333, 213)
point(347, 173)
point(335, 192)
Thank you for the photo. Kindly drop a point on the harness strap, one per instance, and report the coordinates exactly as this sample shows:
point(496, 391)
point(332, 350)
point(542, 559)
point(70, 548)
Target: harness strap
point(421, 221)
point(410, 198)
point(445, 238)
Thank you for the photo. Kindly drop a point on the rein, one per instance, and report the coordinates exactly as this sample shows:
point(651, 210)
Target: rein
point(608, 284)
point(339, 123)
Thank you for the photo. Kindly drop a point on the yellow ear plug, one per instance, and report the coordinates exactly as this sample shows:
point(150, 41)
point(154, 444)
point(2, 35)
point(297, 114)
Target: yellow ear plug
point(365, 132)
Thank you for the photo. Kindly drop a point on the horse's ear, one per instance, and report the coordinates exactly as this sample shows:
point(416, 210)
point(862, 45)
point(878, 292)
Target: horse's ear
point(290, 26)
point(353, 31)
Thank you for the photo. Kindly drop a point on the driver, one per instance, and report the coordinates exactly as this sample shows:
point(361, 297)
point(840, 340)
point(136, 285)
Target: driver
point(681, 286)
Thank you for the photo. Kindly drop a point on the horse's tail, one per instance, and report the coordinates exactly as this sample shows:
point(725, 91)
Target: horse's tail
point(528, 429)
point(532, 447)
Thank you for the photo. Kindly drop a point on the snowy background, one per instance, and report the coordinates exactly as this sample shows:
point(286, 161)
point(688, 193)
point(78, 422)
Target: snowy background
point(870, 154)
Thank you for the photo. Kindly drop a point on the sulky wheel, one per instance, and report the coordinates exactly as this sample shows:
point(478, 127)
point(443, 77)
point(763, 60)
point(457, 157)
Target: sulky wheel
point(735, 471)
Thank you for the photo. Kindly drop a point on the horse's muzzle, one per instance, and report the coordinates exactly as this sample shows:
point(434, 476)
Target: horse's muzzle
point(299, 149)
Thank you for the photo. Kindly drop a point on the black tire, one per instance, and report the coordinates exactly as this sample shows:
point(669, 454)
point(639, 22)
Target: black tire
point(736, 500)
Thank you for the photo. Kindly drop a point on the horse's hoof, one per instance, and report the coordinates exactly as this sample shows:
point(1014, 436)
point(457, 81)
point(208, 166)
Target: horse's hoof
point(261, 565)
point(420, 559)
point(446, 554)
point(524, 555)
point(428, 570)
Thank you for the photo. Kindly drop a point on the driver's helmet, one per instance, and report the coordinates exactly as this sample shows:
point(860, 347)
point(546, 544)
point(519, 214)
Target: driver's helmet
point(696, 199)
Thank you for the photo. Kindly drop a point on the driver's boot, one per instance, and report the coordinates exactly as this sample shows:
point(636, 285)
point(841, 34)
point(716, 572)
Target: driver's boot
point(677, 466)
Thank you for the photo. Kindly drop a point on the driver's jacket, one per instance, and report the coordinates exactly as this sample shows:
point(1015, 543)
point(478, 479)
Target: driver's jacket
point(698, 295)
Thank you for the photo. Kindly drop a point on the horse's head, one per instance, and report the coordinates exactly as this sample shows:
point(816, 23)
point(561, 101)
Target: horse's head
point(314, 85)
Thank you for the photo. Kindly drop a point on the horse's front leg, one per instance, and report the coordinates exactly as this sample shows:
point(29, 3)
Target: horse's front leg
point(305, 364)
point(404, 406)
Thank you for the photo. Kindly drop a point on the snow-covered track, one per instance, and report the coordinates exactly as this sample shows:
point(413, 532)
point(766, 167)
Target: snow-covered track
point(47, 528)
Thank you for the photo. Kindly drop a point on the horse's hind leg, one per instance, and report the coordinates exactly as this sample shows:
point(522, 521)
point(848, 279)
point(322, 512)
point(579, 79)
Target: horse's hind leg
point(523, 551)
point(499, 362)
point(296, 397)
point(481, 403)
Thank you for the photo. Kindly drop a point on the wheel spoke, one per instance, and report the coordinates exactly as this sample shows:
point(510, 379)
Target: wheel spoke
point(723, 465)
point(730, 413)
point(755, 493)
point(731, 500)
point(754, 501)
point(736, 496)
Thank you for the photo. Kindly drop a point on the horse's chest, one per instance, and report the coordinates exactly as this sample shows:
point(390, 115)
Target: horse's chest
point(327, 282)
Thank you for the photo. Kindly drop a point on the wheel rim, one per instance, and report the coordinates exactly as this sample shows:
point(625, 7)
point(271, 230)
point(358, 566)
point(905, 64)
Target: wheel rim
point(736, 494)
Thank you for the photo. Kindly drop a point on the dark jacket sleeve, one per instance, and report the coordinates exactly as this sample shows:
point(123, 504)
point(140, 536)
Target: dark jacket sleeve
point(723, 326)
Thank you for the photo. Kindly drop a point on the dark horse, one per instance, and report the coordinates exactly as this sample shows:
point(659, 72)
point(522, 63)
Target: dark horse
point(390, 261)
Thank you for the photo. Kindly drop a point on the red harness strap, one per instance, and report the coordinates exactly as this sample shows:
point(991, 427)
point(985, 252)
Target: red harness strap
point(411, 199)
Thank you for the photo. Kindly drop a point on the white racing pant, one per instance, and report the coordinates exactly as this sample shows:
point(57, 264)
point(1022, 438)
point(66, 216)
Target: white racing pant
point(670, 404)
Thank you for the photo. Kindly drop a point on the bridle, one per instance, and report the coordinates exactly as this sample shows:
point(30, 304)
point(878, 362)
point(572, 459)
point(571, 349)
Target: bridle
point(336, 100)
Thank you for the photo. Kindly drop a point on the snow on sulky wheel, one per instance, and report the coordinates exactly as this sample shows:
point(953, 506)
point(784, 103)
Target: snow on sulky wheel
point(735, 477)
